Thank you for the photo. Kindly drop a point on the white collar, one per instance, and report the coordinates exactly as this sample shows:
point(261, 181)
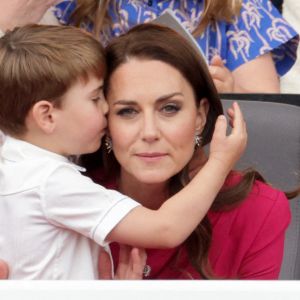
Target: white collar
point(16, 150)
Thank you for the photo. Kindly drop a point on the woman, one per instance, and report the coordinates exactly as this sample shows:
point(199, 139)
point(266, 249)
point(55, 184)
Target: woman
point(236, 35)
point(163, 105)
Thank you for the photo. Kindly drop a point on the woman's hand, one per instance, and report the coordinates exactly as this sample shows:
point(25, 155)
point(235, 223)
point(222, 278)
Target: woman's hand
point(21, 12)
point(227, 149)
point(222, 77)
point(131, 264)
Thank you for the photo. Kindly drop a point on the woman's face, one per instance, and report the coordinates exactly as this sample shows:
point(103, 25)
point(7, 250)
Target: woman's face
point(153, 119)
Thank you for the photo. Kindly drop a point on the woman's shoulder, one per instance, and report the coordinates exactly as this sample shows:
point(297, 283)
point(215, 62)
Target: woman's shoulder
point(262, 203)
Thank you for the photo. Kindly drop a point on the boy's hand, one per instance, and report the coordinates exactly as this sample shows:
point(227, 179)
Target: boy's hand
point(228, 149)
point(21, 12)
point(3, 269)
point(197, 162)
point(222, 77)
point(131, 264)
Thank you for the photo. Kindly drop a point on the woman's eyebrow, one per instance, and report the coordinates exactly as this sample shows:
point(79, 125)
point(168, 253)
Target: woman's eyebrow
point(160, 99)
point(168, 96)
point(125, 102)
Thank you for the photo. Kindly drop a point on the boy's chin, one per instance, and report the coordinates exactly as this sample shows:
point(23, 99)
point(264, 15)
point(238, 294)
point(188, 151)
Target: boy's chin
point(92, 148)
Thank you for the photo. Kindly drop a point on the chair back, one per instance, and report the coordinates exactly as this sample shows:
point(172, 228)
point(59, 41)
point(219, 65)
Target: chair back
point(274, 150)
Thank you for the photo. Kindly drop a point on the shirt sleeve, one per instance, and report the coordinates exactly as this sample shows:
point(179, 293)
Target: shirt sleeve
point(73, 201)
point(63, 11)
point(259, 29)
point(264, 257)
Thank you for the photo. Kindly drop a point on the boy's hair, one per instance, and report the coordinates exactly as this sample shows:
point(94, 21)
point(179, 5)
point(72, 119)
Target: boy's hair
point(40, 62)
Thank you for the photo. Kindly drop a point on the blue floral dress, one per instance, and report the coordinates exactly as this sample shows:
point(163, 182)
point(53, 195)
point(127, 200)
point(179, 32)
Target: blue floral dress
point(259, 29)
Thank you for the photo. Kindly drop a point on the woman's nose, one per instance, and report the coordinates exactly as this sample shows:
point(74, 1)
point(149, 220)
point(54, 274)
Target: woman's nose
point(150, 129)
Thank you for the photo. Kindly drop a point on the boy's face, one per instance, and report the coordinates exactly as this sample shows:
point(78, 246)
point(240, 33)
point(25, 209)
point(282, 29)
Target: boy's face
point(81, 120)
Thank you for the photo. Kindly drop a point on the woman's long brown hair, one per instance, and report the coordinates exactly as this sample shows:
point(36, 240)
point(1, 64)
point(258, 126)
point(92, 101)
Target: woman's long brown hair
point(95, 11)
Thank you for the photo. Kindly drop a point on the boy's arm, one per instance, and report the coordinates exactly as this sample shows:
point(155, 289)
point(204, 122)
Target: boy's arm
point(174, 221)
point(21, 12)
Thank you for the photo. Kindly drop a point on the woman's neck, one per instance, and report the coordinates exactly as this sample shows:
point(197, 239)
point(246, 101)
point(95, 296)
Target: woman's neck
point(149, 195)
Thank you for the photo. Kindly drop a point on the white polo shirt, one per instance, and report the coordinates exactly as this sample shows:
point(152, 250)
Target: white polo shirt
point(50, 214)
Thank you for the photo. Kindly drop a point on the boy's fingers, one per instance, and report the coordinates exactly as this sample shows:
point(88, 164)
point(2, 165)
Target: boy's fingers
point(230, 112)
point(239, 125)
point(220, 127)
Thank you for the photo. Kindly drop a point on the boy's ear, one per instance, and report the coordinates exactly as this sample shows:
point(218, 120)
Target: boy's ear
point(202, 115)
point(42, 113)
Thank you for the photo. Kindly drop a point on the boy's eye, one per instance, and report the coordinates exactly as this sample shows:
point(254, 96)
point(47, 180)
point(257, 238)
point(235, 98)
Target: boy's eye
point(96, 99)
point(170, 108)
point(127, 112)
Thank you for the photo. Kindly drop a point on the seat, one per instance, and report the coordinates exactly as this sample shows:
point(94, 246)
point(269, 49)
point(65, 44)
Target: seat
point(274, 150)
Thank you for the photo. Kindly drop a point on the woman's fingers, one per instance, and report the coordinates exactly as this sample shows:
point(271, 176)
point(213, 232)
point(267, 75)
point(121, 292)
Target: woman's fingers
point(104, 265)
point(139, 258)
point(131, 263)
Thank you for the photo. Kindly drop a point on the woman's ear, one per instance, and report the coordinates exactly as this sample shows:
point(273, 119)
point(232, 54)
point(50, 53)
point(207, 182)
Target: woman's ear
point(202, 115)
point(42, 114)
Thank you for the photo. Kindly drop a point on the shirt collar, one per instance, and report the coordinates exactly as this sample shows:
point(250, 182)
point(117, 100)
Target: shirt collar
point(16, 150)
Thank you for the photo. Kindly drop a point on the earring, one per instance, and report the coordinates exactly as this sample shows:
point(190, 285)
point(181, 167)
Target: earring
point(198, 140)
point(108, 144)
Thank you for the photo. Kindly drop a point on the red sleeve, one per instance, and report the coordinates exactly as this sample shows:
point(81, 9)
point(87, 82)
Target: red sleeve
point(264, 257)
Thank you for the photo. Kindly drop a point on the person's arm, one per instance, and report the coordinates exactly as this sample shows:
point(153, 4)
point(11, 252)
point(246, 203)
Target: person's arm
point(20, 12)
point(173, 222)
point(257, 76)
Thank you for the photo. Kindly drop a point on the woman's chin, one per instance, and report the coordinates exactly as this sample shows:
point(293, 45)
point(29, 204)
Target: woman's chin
point(153, 178)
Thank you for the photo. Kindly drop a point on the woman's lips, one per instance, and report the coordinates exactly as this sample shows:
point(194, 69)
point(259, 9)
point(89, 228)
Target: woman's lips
point(151, 157)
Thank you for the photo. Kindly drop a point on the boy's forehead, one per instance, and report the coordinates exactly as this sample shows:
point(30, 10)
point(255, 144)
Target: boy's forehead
point(91, 81)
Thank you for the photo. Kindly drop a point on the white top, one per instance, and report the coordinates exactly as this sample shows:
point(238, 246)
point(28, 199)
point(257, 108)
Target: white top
point(50, 214)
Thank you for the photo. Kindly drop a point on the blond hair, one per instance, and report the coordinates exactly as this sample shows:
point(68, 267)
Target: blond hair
point(95, 11)
point(40, 62)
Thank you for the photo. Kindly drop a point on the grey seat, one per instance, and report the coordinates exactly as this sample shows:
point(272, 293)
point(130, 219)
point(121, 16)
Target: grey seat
point(274, 150)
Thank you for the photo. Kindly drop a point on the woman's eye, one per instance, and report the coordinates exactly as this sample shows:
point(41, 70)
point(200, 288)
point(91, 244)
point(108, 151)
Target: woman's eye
point(127, 112)
point(170, 109)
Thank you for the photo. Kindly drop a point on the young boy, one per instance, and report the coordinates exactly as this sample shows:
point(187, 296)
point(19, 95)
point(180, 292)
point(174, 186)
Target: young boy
point(51, 108)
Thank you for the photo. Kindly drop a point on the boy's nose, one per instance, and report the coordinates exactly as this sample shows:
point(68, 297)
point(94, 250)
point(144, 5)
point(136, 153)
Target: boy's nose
point(104, 107)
